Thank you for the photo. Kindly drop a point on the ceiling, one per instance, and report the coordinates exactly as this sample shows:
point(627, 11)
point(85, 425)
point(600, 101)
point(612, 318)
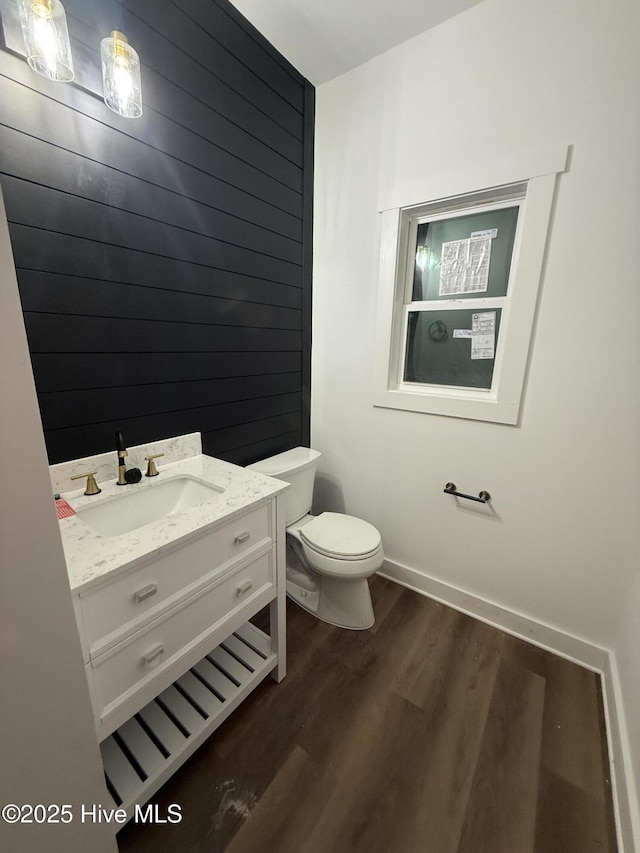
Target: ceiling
point(325, 38)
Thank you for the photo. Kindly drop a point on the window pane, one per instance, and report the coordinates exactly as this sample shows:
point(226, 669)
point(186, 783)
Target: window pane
point(455, 347)
point(460, 258)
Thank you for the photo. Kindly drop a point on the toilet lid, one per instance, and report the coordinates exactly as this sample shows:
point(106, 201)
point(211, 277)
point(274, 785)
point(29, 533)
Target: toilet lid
point(339, 535)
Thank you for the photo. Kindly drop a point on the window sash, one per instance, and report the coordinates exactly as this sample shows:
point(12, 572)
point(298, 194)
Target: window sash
point(476, 306)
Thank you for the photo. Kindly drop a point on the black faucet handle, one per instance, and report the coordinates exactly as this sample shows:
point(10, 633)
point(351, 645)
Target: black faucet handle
point(133, 475)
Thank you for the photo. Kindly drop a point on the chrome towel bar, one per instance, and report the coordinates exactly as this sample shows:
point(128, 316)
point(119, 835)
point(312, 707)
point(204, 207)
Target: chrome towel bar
point(483, 497)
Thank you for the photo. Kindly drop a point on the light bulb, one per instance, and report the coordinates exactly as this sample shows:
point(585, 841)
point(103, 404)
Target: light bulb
point(46, 43)
point(123, 87)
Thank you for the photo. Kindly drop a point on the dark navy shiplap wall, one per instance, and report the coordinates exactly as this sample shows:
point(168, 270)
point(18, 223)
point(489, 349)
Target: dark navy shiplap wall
point(164, 263)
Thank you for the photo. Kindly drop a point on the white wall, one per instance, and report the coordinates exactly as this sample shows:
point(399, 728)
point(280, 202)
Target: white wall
point(49, 749)
point(504, 77)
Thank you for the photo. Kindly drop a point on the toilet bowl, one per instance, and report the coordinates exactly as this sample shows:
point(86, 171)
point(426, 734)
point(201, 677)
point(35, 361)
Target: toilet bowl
point(329, 556)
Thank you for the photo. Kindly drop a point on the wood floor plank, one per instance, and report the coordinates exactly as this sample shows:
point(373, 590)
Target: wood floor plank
point(444, 644)
point(384, 595)
point(274, 825)
point(570, 820)
point(574, 744)
point(502, 807)
point(571, 746)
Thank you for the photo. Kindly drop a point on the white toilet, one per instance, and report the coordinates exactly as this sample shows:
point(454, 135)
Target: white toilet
point(329, 556)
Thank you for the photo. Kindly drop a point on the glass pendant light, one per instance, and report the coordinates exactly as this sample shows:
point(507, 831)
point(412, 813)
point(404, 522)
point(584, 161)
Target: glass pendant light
point(121, 76)
point(46, 38)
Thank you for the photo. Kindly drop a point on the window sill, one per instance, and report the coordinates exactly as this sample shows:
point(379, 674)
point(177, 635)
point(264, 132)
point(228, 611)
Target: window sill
point(456, 403)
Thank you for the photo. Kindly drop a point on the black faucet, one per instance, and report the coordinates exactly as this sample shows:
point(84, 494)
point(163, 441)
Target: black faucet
point(134, 475)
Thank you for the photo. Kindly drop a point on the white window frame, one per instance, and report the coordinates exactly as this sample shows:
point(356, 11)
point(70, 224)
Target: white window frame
point(531, 184)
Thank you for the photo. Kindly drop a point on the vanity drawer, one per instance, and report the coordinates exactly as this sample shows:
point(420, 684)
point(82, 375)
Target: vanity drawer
point(126, 669)
point(115, 607)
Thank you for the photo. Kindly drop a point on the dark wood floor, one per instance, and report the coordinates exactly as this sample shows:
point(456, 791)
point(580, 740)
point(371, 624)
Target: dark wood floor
point(430, 733)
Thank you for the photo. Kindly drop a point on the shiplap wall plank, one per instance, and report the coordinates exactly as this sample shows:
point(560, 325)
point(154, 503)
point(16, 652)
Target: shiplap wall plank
point(35, 249)
point(66, 372)
point(56, 294)
point(272, 431)
point(113, 334)
point(59, 411)
point(163, 263)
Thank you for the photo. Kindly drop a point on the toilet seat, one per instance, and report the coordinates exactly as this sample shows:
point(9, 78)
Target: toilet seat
point(341, 546)
point(344, 537)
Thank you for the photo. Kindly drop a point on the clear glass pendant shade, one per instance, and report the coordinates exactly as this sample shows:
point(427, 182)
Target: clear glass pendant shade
point(121, 76)
point(46, 38)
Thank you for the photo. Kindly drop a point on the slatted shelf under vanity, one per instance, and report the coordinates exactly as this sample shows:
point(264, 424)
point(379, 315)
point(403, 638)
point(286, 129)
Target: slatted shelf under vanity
point(141, 755)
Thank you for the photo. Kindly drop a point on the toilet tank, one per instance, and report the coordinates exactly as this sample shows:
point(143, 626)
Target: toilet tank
point(298, 467)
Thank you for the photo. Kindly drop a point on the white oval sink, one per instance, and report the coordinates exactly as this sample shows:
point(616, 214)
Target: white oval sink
point(139, 506)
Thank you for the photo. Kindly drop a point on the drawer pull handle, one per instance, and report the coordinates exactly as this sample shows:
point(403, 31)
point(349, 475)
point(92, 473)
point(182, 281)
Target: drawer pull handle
point(245, 587)
point(242, 537)
point(145, 592)
point(153, 653)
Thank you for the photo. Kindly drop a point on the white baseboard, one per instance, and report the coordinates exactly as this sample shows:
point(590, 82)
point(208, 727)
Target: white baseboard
point(626, 797)
point(574, 649)
point(565, 645)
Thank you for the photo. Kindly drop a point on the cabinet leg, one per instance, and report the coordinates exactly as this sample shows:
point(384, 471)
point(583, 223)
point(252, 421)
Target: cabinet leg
point(278, 607)
point(278, 636)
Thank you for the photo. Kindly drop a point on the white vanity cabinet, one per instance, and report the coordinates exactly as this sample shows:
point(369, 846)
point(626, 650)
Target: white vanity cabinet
point(168, 647)
point(152, 621)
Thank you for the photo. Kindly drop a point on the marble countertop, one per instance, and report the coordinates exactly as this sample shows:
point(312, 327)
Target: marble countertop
point(91, 556)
